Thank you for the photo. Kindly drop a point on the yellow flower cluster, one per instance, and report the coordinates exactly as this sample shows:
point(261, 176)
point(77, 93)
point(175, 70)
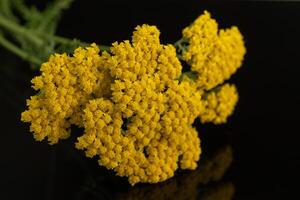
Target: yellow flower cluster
point(146, 125)
point(186, 186)
point(135, 105)
point(214, 55)
point(65, 85)
point(219, 104)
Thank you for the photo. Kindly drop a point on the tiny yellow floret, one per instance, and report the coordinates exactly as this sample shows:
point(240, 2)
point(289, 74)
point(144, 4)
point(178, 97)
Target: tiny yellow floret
point(213, 54)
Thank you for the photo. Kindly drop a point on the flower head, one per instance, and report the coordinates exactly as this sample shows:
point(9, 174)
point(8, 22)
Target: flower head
point(66, 84)
point(219, 104)
point(214, 55)
point(143, 130)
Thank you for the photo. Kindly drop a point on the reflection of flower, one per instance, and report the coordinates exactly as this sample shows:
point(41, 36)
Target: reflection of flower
point(189, 185)
point(220, 192)
point(134, 103)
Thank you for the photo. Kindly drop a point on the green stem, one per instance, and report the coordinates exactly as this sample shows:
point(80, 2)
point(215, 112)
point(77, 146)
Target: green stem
point(52, 12)
point(178, 43)
point(63, 40)
point(104, 47)
point(181, 47)
point(11, 47)
point(17, 29)
point(24, 11)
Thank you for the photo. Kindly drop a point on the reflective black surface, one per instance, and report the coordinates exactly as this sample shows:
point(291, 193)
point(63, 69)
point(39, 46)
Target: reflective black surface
point(263, 132)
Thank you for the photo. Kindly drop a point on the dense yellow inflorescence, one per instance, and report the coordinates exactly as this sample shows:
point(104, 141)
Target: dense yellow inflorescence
point(156, 109)
point(213, 54)
point(186, 186)
point(66, 84)
point(219, 104)
point(135, 105)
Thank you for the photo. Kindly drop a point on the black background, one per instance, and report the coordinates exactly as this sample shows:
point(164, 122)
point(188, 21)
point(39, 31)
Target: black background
point(263, 130)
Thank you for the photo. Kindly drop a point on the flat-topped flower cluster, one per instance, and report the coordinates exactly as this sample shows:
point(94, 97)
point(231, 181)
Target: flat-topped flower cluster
point(133, 101)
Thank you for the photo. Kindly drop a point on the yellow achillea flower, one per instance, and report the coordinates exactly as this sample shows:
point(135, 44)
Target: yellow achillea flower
point(134, 103)
point(186, 186)
point(219, 104)
point(213, 55)
point(66, 84)
point(158, 111)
